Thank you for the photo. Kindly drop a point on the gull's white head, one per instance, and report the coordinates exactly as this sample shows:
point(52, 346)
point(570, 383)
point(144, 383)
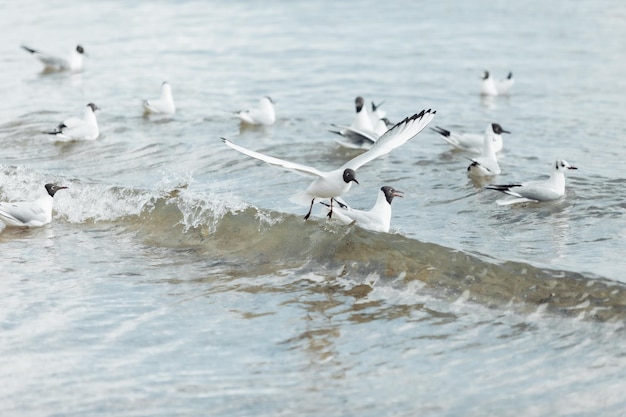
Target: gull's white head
point(561, 165)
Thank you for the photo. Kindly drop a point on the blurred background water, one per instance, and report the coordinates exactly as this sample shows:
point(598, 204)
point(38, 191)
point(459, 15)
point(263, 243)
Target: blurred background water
point(177, 278)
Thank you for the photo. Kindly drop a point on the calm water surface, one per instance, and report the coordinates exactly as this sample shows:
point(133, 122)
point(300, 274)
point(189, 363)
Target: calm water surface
point(178, 279)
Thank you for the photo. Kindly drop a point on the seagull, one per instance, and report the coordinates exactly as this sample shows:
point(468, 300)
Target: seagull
point(487, 163)
point(378, 219)
point(472, 142)
point(365, 129)
point(164, 104)
point(491, 87)
point(30, 213)
point(333, 184)
point(73, 62)
point(76, 128)
point(263, 115)
point(540, 190)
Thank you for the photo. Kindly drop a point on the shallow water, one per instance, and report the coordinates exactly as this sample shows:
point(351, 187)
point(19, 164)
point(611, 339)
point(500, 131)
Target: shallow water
point(178, 279)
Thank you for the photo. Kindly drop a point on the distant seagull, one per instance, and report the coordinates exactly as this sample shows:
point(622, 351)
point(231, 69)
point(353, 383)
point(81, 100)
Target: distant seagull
point(263, 115)
point(73, 62)
point(540, 190)
point(473, 142)
point(75, 128)
point(378, 219)
point(486, 164)
point(162, 105)
point(30, 213)
point(491, 87)
point(335, 183)
point(365, 129)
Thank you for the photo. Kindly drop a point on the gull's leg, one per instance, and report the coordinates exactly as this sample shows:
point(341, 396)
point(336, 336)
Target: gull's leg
point(310, 209)
point(330, 213)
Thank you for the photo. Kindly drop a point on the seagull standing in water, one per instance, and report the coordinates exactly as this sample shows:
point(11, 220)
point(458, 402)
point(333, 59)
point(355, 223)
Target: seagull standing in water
point(473, 142)
point(72, 62)
point(333, 184)
point(378, 219)
point(76, 128)
point(540, 190)
point(491, 87)
point(264, 115)
point(30, 213)
point(162, 105)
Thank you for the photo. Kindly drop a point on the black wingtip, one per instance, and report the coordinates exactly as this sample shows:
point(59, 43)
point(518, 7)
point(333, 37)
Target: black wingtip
point(32, 51)
point(441, 131)
point(501, 187)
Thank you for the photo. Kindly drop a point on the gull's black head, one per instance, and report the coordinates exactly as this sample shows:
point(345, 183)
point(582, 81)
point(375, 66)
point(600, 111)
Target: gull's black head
point(93, 107)
point(358, 103)
point(349, 175)
point(390, 193)
point(80, 49)
point(53, 188)
point(485, 75)
point(497, 129)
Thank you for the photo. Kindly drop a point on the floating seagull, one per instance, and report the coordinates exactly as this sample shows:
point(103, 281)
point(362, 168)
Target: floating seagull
point(335, 183)
point(487, 163)
point(365, 129)
point(76, 128)
point(162, 105)
point(473, 142)
point(540, 190)
point(73, 62)
point(30, 213)
point(491, 87)
point(263, 115)
point(378, 219)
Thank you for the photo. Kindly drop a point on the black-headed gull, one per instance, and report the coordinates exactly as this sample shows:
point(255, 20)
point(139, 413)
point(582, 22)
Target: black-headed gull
point(486, 164)
point(72, 62)
point(377, 219)
point(264, 115)
point(162, 105)
point(491, 87)
point(333, 184)
point(76, 128)
point(473, 142)
point(30, 213)
point(539, 190)
point(365, 129)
